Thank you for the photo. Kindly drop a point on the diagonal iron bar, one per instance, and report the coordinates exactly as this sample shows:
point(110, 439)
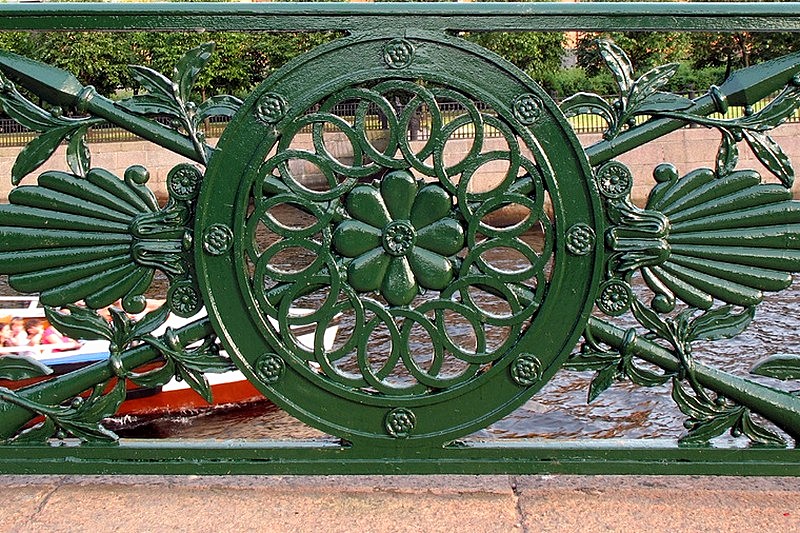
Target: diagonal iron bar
point(780, 407)
point(59, 87)
point(12, 417)
point(743, 87)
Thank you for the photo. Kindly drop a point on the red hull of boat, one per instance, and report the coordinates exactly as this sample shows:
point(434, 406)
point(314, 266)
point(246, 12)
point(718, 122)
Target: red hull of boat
point(183, 400)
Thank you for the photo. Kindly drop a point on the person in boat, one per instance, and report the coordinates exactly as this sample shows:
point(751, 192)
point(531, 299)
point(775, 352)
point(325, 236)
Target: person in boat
point(38, 334)
point(5, 335)
point(18, 336)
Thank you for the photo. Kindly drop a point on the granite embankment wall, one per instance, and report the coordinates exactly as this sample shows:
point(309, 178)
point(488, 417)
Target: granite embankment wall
point(687, 149)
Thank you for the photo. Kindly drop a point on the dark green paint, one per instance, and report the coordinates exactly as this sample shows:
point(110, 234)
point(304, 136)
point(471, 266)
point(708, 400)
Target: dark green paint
point(439, 16)
point(522, 457)
point(438, 221)
point(399, 238)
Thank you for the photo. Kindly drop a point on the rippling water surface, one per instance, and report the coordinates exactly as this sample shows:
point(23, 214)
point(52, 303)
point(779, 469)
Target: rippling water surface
point(559, 410)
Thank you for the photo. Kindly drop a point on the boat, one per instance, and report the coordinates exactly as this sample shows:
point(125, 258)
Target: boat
point(176, 397)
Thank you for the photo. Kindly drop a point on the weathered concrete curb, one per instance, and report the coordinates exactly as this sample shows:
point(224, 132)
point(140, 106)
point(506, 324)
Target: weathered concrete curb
point(398, 504)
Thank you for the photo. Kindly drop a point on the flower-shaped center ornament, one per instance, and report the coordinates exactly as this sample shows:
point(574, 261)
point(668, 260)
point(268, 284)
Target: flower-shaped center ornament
point(401, 238)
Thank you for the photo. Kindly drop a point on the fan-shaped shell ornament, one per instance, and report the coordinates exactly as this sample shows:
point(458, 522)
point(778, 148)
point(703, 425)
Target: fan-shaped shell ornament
point(97, 238)
point(703, 238)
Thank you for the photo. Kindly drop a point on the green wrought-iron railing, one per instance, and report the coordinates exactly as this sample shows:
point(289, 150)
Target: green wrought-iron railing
point(399, 242)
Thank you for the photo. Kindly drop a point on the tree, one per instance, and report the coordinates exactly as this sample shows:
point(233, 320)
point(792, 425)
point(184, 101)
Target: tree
point(740, 49)
point(98, 59)
point(645, 49)
point(535, 53)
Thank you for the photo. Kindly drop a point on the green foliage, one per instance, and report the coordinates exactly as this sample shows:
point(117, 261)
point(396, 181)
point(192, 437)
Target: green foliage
point(645, 50)
point(566, 82)
point(689, 79)
point(241, 61)
point(16, 41)
point(536, 53)
point(98, 59)
point(740, 49)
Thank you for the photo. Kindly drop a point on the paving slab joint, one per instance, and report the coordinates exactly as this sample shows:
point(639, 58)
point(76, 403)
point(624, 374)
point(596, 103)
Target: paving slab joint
point(518, 505)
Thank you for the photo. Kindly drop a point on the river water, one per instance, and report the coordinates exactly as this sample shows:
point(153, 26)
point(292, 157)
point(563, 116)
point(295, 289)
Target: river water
point(559, 410)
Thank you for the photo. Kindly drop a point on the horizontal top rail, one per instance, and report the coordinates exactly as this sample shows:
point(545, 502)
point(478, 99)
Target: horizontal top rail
point(514, 16)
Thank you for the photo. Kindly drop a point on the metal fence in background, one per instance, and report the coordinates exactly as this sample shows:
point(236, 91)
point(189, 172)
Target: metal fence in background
point(14, 134)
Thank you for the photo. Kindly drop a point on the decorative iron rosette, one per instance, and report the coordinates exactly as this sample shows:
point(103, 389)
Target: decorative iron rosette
point(397, 238)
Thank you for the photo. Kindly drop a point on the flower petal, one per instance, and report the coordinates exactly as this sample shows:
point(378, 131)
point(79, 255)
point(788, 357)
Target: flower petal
point(353, 238)
point(366, 272)
point(432, 203)
point(431, 270)
point(365, 204)
point(399, 286)
point(398, 190)
point(445, 236)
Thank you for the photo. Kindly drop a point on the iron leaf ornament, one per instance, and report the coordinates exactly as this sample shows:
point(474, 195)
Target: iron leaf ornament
point(171, 97)
point(399, 239)
point(640, 96)
point(91, 237)
point(54, 129)
point(706, 246)
point(166, 97)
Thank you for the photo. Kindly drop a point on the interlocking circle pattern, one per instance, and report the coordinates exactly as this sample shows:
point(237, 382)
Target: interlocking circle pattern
point(421, 225)
point(436, 246)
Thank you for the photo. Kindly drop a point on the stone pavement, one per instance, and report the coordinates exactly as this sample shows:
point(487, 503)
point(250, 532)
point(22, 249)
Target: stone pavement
point(398, 504)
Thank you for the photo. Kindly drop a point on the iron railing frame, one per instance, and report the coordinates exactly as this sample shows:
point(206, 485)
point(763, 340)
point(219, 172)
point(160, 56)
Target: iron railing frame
point(327, 457)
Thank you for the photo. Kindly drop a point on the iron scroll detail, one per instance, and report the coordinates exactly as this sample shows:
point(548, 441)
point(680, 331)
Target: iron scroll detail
point(397, 239)
point(454, 233)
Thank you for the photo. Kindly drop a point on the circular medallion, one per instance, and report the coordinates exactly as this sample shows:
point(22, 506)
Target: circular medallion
point(400, 423)
point(398, 53)
point(615, 297)
point(184, 300)
point(183, 181)
point(383, 270)
point(525, 370)
point(580, 239)
point(270, 108)
point(217, 239)
point(614, 179)
point(527, 108)
point(270, 368)
point(399, 237)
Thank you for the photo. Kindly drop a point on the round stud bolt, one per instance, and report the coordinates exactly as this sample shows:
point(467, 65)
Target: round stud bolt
point(580, 239)
point(399, 237)
point(400, 423)
point(526, 370)
point(615, 297)
point(217, 239)
point(183, 182)
point(270, 368)
point(184, 299)
point(527, 108)
point(271, 107)
point(398, 53)
point(614, 180)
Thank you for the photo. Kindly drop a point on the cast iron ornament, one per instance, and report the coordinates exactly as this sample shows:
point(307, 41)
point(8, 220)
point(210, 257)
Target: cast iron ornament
point(398, 240)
